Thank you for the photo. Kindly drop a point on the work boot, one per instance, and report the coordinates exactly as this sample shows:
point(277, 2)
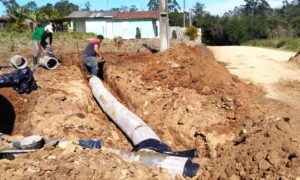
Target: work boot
point(35, 64)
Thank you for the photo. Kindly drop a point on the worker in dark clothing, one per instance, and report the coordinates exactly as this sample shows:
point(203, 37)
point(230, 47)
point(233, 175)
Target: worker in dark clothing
point(47, 47)
point(89, 55)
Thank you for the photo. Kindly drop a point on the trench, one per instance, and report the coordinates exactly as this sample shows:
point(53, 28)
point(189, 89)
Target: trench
point(8, 116)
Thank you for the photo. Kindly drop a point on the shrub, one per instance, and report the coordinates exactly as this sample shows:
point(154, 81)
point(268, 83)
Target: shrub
point(174, 34)
point(138, 34)
point(287, 44)
point(191, 32)
point(280, 44)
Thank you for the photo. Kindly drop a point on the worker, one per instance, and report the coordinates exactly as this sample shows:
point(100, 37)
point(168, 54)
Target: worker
point(40, 44)
point(90, 53)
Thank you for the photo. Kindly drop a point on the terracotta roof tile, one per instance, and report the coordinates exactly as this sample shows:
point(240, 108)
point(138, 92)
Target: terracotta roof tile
point(138, 15)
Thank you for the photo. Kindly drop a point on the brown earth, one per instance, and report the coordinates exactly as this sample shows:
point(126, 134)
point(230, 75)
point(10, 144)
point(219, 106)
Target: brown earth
point(296, 58)
point(189, 99)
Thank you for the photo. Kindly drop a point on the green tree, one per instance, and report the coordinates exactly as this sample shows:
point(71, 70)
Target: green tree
point(176, 19)
point(173, 5)
point(115, 9)
point(256, 7)
point(123, 8)
point(199, 10)
point(236, 31)
point(65, 8)
point(10, 5)
point(18, 17)
point(87, 6)
point(31, 6)
point(133, 8)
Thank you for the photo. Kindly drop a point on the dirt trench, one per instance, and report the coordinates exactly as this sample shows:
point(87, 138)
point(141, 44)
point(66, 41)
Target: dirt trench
point(63, 107)
point(189, 99)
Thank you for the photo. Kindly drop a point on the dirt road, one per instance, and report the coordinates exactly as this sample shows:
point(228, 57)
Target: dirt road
point(265, 67)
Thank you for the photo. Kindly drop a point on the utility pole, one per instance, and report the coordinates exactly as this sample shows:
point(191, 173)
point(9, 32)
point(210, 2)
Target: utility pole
point(190, 17)
point(164, 25)
point(142, 9)
point(184, 13)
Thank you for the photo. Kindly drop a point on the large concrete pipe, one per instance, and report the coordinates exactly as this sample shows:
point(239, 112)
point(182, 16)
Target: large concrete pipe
point(19, 61)
point(174, 165)
point(142, 136)
point(48, 62)
point(134, 128)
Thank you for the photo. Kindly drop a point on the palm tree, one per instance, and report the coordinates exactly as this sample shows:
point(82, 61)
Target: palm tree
point(18, 16)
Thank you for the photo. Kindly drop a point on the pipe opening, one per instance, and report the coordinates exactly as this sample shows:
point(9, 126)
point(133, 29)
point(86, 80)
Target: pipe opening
point(52, 63)
point(100, 73)
point(19, 62)
point(49, 62)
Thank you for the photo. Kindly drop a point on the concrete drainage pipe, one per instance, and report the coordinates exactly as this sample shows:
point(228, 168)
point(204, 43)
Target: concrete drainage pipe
point(49, 62)
point(19, 61)
point(134, 128)
point(143, 137)
point(174, 165)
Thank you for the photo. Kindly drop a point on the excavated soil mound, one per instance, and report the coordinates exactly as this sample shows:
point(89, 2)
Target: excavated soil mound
point(183, 94)
point(188, 98)
point(296, 58)
point(63, 107)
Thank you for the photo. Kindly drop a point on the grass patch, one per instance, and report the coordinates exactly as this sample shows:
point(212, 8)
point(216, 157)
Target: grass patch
point(16, 42)
point(285, 44)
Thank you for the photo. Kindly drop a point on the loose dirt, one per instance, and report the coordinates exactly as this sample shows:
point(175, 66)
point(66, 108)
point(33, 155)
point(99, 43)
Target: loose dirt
point(296, 59)
point(187, 97)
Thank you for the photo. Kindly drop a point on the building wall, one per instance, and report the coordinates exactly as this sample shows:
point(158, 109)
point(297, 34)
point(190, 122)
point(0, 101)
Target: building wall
point(97, 27)
point(111, 28)
point(127, 28)
point(80, 26)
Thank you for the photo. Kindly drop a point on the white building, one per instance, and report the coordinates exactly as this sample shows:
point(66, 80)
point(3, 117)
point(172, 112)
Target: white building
point(113, 24)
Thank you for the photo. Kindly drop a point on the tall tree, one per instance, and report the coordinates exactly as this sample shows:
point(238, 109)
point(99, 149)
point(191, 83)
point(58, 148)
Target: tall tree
point(198, 10)
point(153, 5)
point(10, 5)
point(31, 6)
point(123, 8)
point(87, 6)
point(133, 8)
point(65, 8)
point(256, 7)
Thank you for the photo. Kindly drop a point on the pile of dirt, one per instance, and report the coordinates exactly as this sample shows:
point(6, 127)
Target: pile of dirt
point(269, 151)
point(76, 163)
point(296, 58)
point(188, 98)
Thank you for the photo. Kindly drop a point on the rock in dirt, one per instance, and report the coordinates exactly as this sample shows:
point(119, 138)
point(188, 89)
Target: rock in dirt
point(264, 165)
point(274, 158)
point(234, 177)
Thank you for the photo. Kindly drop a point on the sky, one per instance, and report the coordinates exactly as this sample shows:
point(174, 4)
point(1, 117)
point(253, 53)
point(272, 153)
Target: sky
point(215, 7)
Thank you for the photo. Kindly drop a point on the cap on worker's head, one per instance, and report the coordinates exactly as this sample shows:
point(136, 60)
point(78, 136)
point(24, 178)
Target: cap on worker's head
point(100, 37)
point(49, 28)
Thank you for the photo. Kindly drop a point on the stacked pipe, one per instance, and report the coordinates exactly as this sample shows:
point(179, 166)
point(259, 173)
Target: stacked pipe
point(142, 136)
